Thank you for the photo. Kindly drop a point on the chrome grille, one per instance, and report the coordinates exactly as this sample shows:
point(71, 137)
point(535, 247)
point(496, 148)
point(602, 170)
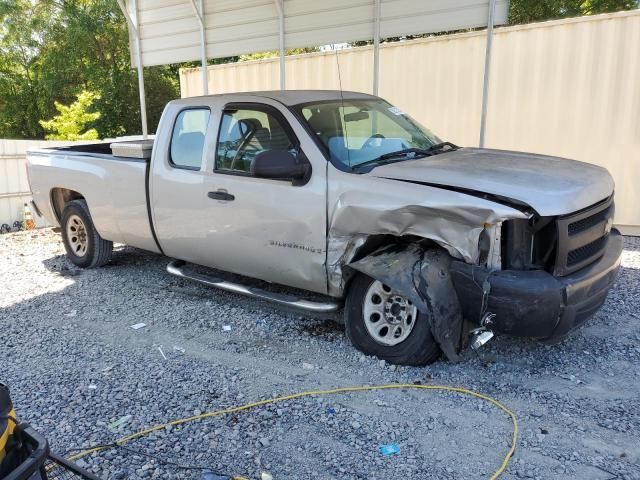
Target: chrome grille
point(582, 237)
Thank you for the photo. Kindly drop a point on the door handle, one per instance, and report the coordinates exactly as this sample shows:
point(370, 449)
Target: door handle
point(221, 195)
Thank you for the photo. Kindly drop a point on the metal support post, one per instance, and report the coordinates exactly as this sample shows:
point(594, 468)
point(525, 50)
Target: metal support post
point(280, 8)
point(199, 12)
point(487, 68)
point(376, 47)
point(133, 25)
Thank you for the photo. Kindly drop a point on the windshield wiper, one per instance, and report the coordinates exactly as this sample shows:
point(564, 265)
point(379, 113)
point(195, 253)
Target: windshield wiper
point(441, 147)
point(404, 153)
point(417, 152)
point(397, 154)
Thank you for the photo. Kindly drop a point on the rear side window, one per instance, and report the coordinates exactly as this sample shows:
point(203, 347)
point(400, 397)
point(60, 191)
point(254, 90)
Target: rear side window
point(187, 140)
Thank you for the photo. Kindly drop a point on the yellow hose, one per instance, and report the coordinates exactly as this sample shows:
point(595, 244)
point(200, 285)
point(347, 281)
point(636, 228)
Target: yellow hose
point(464, 391)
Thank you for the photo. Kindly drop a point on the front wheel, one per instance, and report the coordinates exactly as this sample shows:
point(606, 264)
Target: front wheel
point(84, 245)
point(383, 323)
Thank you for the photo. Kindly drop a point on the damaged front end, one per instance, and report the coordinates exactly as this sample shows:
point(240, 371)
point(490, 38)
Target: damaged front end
point(466, 227)
point(407, 237)
point(517, 280)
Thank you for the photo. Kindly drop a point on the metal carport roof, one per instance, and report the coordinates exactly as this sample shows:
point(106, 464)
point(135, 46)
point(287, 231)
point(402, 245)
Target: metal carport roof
point(173, 31)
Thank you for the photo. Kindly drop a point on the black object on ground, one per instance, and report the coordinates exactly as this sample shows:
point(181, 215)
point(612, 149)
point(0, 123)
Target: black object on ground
point(36, 462)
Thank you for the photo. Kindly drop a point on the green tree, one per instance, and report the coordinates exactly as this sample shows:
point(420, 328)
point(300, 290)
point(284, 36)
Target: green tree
point(94, 34)
point(22, 100)
point(71, 120)
point(527, 11)
point(51, 50)
point(275, 53)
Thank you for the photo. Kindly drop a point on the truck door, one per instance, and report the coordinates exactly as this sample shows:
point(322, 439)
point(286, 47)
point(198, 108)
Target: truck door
point(214, 212)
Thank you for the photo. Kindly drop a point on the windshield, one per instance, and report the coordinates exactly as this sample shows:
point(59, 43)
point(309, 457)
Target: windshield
point(360, 131)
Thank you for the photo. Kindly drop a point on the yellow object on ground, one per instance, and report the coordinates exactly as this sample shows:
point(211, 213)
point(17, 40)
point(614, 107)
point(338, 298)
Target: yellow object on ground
point(29, 223)
point(7, 426)
point(7, 421)
point(315, 393)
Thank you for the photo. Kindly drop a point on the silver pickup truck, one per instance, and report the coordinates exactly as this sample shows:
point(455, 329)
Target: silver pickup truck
point(427, 245)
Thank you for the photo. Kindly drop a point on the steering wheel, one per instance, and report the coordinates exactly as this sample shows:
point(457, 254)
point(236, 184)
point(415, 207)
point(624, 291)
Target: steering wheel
point(247, 136)
point(370, 140)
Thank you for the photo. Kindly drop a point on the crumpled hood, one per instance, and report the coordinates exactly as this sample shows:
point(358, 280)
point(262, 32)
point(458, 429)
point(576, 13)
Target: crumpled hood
point(550, 185)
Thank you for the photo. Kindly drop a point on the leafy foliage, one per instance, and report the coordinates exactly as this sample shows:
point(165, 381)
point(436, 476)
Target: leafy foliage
point(527, 11)
point(272, 54)
point(71, 120)
point(51, 50)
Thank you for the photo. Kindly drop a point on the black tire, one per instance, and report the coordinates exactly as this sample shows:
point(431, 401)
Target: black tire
point(98, 250)
point(418, 349)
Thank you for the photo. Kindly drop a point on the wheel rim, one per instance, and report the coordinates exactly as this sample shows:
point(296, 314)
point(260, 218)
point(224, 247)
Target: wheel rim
point(389, 317)
point(77, 235)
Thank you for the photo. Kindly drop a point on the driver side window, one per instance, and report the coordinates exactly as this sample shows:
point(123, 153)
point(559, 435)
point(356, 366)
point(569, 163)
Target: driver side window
point(243, 134)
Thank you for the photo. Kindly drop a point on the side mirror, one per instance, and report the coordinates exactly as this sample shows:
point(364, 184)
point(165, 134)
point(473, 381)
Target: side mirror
point(279, 164)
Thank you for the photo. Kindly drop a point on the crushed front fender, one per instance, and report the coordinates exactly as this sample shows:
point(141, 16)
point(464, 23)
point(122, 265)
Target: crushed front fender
point(375, 206)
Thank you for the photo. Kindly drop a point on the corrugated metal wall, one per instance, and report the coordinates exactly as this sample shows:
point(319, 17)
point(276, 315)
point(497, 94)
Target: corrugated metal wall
point(14, 186)
point(569, 88)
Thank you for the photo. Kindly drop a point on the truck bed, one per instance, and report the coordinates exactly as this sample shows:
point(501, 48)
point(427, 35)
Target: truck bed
point(115, 187)
point(119, 150)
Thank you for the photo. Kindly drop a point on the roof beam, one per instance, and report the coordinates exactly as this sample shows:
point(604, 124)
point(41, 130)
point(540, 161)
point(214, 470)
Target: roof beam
point(196, 11)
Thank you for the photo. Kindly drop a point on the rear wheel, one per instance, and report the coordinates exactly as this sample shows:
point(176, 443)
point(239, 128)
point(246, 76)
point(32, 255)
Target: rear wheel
point(84, 245)
point(386, 324)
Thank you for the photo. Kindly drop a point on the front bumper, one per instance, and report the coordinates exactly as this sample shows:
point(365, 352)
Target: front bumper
point(535, 303)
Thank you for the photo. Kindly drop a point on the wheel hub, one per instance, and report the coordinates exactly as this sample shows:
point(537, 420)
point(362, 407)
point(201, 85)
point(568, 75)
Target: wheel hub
point(388, 317)
point(77, 235)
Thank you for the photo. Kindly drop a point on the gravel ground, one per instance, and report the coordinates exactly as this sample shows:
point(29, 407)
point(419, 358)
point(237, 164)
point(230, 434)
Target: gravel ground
point(75, 366)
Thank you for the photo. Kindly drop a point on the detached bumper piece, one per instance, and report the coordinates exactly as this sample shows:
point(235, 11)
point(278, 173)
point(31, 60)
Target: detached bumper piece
point(535, 303)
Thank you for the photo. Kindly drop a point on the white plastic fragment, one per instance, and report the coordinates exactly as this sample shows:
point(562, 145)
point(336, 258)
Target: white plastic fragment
point(121, 421)
point(161, 352)
point(138, 326)
point(226, 328)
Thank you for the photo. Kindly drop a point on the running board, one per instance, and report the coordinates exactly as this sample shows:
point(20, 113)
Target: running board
point(175, 268)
